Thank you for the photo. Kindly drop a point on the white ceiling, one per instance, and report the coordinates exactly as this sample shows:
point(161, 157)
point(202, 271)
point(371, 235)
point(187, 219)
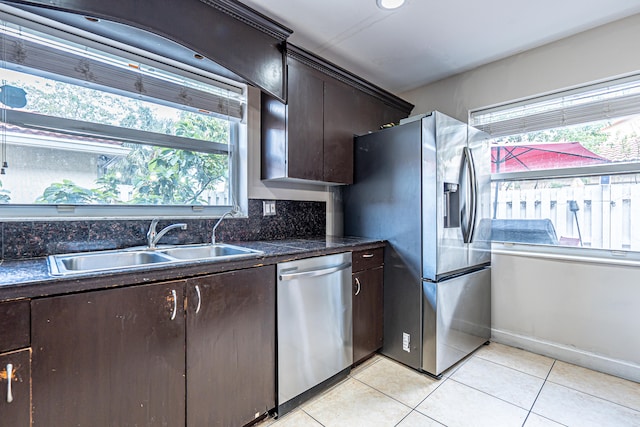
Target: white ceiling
point(428, 40)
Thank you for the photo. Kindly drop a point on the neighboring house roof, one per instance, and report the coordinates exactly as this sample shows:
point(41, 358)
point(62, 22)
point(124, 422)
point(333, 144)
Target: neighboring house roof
point(23, 136)
point(621, 148)
point(620, 151)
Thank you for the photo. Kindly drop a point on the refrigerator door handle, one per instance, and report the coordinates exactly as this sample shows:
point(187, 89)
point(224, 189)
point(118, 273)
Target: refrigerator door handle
point(469, 230)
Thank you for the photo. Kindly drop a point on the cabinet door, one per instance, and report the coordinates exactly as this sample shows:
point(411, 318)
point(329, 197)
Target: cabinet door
point(110, 358)
point(15, 390)
point(339, 113)
point(304, 123)
point(371, 113)
point(367, 312)
point(230, 347)
point(14, 325)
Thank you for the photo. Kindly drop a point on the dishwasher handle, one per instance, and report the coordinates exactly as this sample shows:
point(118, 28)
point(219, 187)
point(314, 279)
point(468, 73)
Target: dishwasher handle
point(315, 273)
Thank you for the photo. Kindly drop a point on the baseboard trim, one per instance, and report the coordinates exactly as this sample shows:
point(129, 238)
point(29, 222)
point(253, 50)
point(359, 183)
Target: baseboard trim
point(619, 368)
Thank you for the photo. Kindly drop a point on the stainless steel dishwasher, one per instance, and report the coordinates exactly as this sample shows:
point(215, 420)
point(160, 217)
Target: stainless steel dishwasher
point(315, 338)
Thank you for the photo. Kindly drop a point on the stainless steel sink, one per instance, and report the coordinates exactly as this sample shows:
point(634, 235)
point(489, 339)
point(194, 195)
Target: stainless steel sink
point(194, 252)
point(85, 262)
point(106, 260)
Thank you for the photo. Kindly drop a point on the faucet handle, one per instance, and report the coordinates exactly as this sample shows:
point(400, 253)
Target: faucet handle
point(151, 234)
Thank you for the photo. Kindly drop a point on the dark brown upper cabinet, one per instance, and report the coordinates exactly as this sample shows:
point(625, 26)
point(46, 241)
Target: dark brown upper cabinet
point(236, 41)
point(310, 138)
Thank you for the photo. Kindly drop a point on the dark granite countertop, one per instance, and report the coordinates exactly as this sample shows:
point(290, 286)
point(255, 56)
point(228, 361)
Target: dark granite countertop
point(31, 278)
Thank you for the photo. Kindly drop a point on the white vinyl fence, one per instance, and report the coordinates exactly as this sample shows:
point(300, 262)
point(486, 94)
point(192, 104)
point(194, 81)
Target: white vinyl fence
point(608, 215)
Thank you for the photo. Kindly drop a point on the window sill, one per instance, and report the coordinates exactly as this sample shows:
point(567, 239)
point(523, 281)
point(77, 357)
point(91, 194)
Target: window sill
point(567, 254)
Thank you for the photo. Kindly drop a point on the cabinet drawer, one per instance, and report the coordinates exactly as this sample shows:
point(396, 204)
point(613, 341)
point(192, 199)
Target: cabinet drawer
point(364, 260)
point(14, 325)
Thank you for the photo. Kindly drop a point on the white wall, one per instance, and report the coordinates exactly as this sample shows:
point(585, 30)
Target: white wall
point(33, 169)
point(577, 310)
point(580, 312)
point(257, 189)
point(597, 54)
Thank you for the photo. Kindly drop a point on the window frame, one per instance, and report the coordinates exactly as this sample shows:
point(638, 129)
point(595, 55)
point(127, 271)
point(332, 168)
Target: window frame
point(600, 109)
point(237, 133)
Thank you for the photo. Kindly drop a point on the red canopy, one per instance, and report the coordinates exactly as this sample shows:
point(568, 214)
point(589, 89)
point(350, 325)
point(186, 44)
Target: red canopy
point(518, 158)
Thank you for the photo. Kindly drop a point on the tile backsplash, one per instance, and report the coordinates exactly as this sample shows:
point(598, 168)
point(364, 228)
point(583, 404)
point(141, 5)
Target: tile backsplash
point(32, 239)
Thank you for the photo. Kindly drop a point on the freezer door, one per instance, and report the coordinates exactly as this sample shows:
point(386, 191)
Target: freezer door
point(443, 202)
point(456, 319)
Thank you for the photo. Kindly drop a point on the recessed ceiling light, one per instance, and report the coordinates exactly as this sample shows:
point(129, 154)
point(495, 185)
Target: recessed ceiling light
point(389, 4)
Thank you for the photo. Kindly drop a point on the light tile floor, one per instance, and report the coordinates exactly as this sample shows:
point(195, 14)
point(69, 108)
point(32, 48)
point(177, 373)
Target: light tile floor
point(496, 386)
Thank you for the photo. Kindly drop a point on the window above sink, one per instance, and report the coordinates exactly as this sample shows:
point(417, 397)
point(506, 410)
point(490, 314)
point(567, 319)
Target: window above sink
point(93, 130)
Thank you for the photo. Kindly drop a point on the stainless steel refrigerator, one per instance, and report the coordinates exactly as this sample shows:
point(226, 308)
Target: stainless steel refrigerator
point(424, 186)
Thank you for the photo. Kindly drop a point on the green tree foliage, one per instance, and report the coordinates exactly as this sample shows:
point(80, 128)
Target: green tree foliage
point(67, 192)
point(5, 195)
point(171, 176)
point(158, 175)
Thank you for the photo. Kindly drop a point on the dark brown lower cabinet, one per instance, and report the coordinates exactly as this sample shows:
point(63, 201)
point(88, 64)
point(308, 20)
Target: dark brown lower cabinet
point(151, 355)
point(110, 358)
point(15, 388)
point(367, 312)
point(230, 347)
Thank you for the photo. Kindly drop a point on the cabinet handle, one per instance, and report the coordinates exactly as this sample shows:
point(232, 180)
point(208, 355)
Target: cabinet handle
point(199, 298)
point(174, 296)
point(357, 283)
point(9, 375)
point(367, 256)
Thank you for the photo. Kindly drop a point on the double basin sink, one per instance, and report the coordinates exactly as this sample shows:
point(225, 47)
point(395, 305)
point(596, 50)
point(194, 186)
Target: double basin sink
point(85, 262)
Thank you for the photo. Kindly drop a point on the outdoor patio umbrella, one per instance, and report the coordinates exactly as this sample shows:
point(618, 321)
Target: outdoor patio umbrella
point(524, 157)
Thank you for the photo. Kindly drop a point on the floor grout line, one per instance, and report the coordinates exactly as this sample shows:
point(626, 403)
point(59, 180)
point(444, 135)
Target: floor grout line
point(491, 395)
point(540, 391)
point(311, 416)
point(516, 369)
point(440, 382)
point(415, 417)
point(383, 393)
point(421, 414)
point(593, 395)
point(403, 418)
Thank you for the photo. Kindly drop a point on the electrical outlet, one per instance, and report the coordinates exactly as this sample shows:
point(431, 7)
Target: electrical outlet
point(268, 207)
point(406, 342)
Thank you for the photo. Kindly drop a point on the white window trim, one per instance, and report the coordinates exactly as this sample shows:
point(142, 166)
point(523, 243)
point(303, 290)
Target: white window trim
point(568, 253)
point(573, 112)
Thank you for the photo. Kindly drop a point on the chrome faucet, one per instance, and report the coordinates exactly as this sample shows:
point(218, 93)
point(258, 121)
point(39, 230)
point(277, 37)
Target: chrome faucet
point(213, 232)
point(153, 236)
